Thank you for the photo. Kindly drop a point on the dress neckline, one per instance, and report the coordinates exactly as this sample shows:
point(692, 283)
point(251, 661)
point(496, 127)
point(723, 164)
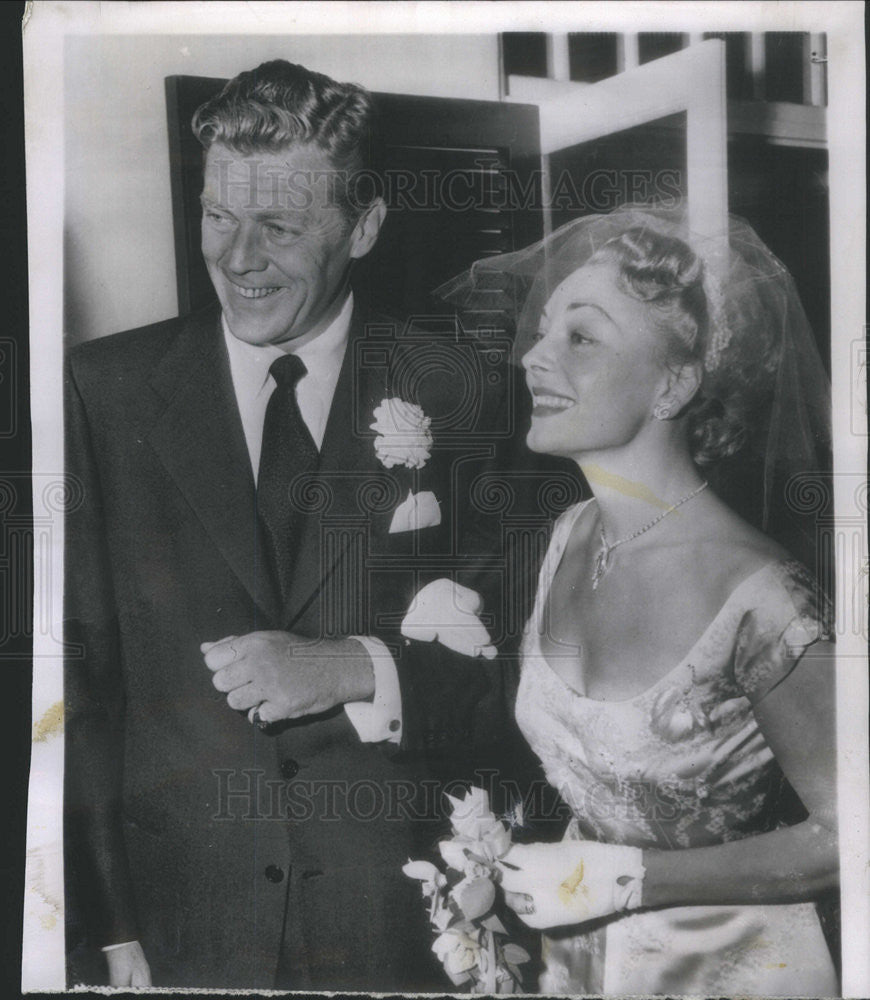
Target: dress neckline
point(555, 554)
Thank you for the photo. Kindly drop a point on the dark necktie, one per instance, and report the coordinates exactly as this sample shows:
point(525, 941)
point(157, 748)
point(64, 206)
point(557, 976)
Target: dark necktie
point(288, 451)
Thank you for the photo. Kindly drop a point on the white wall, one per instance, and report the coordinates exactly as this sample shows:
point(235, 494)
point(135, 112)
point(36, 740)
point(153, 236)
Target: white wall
point(118, 244)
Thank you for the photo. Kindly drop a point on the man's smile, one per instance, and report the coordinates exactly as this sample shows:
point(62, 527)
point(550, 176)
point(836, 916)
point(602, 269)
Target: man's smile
point(254, 293)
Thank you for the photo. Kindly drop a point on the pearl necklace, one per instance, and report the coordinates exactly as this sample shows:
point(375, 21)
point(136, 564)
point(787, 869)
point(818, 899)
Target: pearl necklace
point(602, 560)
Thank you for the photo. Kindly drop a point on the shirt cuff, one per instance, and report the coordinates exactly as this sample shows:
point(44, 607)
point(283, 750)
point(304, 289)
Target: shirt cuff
point(120, 944)
point(380, 719)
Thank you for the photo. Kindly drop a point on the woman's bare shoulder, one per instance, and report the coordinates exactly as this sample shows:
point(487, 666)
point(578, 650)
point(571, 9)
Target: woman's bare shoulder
point(727, 549)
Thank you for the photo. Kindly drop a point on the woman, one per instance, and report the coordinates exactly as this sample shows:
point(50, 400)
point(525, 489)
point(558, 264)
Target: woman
point(676, 667)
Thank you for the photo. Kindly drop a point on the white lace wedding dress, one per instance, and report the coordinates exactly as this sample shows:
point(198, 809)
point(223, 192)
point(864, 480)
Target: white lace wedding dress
point(681, 765)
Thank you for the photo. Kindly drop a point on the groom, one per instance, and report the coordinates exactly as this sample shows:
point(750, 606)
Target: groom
point(266, 486)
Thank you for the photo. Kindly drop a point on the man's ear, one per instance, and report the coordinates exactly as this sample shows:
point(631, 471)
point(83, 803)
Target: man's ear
point(368, 225)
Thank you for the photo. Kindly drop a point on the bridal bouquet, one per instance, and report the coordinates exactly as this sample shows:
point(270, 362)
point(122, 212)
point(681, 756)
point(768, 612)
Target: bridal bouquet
point(471, 940)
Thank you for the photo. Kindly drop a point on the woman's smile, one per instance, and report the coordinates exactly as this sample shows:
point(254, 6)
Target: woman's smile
point(548, 403)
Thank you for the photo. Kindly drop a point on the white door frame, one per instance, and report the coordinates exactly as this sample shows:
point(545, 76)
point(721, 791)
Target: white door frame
point(691, 81)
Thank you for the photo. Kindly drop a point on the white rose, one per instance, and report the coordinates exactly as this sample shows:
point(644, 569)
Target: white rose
point(458, 952)
point(403, 432)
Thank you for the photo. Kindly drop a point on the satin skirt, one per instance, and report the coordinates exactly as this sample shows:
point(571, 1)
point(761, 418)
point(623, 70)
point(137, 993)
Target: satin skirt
point(766, 950)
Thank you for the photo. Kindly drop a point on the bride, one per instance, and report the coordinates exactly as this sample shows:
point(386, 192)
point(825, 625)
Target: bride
point(677, 669)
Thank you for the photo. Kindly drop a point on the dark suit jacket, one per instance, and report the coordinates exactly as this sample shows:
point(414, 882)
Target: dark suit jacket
point(242, 858)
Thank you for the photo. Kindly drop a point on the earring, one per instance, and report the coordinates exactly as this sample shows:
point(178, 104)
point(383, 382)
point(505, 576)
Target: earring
point(662, 411)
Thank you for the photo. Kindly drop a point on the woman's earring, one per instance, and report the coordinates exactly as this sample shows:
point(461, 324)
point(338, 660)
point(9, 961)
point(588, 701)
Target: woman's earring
point(662, 411)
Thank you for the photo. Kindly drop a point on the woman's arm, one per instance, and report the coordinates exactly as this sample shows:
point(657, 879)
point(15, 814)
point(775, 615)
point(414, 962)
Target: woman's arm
point(797, 718)
point(550, 885)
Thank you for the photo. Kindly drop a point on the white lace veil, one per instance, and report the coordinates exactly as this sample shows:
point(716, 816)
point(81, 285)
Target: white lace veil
point(760, 353)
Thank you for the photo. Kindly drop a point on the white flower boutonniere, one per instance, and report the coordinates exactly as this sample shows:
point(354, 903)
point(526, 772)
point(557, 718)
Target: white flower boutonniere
point(403, 437)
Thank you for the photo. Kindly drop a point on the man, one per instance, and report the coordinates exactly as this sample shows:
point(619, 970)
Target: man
point(238, 573)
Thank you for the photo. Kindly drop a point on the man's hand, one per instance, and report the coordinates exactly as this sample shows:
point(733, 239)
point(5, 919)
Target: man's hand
point(128, 965)
point(284, 676)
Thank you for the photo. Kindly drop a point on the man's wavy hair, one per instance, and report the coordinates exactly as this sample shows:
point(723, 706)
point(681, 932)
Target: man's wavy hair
point(279, 104)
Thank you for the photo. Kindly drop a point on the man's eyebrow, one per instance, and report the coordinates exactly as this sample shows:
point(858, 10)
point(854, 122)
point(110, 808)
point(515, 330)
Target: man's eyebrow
point(263, 214)
point(282, 214)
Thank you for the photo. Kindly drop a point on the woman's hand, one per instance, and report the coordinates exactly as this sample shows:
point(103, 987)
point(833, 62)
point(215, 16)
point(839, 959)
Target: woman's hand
point(128, 965)
point(549, 885)
point(448, 612)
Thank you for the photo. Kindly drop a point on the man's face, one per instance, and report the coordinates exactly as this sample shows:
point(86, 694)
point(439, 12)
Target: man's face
point(276, 244)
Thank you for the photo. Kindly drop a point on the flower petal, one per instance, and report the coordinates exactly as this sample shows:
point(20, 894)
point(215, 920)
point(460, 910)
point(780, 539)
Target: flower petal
point(453, 854)
point(514, 954)
point(475, 897)
point(423, 870)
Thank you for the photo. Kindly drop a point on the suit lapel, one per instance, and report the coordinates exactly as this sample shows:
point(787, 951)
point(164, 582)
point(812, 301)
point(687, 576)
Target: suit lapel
point(348, 464)
point(200, 441)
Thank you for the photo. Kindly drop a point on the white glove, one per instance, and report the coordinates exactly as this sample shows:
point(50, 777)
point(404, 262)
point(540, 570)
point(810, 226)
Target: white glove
point(127, 965)
point(550, 885)
point(447, 611)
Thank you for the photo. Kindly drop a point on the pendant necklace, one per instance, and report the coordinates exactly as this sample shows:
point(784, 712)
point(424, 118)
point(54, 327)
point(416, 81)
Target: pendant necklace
point(602, 560)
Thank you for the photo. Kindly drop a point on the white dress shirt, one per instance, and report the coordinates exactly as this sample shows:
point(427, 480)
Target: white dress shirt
point(381, 718)
point(253, 385)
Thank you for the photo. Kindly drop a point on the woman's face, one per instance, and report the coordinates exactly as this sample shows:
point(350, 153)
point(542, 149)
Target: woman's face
point(595, 371)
